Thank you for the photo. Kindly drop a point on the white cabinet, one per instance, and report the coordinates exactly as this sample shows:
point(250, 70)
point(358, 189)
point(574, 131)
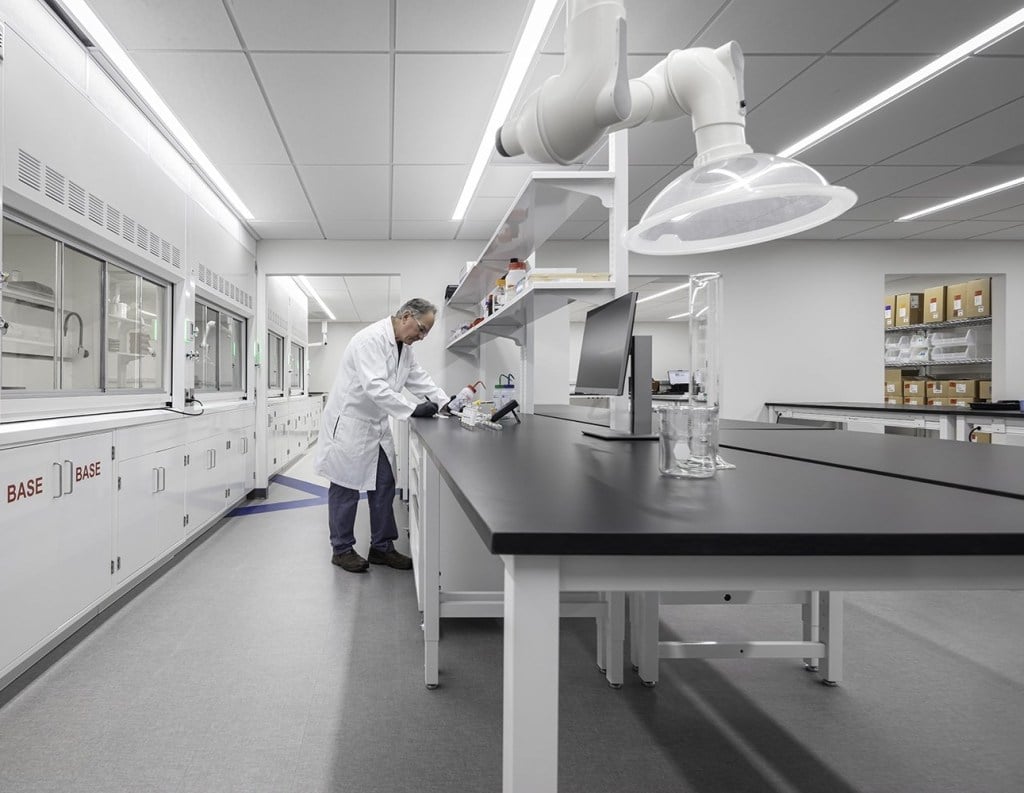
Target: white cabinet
point(206, 478)
point(55, 518)
point(150, 509)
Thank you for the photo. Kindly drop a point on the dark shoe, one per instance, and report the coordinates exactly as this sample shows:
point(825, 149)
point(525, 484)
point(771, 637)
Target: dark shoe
point(391, 558)
point(350, 561)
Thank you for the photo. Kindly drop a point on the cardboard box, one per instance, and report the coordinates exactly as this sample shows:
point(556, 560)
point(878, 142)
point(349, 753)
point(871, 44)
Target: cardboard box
point(969, 299)
point(962, 389)
point(935, 304)
point(909, 309)
point(889, 311)
point(979, 298)
point(935, 388)
point(981, 437)
point(915, 387)
point(959, 402)
point(915, 400)
point(892, 399)
point(937, 401)
point(985, 390)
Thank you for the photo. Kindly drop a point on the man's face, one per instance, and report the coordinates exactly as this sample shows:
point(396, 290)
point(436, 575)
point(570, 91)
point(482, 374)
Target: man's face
point(412, 328)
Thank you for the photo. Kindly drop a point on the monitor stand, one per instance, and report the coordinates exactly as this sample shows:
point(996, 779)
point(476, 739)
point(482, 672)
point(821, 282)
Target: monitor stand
point(640, 403)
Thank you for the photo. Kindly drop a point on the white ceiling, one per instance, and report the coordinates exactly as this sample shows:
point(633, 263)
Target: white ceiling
point(358, 119)
point(354, 298)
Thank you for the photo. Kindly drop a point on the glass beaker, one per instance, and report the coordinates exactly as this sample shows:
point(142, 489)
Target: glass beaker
point(683, 442)
point(705, 367)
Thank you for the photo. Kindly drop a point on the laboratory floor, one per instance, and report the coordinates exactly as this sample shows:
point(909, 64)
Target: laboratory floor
point(255, 665)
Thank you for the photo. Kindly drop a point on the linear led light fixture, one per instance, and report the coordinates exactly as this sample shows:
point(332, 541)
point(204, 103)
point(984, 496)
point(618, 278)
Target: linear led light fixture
point(996, 188)
point(957, 55)
point(303, 283)
point(663, 293)
point(82, 15)
point(678, 316)
point(537, 22)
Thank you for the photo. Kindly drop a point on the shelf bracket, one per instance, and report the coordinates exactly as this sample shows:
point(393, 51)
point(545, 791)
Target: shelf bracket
point(603, 192)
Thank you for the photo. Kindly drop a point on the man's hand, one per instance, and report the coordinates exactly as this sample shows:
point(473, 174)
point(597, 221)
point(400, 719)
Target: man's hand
point(424, 410)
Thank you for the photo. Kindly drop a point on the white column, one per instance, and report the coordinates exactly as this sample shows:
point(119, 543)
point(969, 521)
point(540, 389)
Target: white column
point(430, 505)
point(832, 636)
point(530, 721)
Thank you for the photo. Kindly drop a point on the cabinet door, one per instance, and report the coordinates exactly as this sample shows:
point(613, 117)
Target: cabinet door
point(170, 526)
point(206, 480)
point(138, 513)
point(55, 535)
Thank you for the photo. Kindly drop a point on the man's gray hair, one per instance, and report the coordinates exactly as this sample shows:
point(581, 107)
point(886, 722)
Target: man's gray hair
point(417, 307)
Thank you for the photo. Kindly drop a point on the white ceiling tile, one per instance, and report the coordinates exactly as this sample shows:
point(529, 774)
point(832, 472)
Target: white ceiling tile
point(356, 229)
point(884, 209)
point(961, 181)
point(575, 229)
point(979, 138)
point(835, 229)
point(981, 208)
point(795, 26)
point(897, 231)
point(458, 25)
point(272, 192)
point(964, 230)
point(644, 178)
point(314, 25)
point(979, 85)
point(488, 209)
point(1011, 233)
point(763, 75)
point(902, 27)
point(600, 233)
point(833, 173)
point(880, 181)
point(426, 192)
point(442, 103)
point(1015, 213)
point(506, 180)
point(216, 97)
point(473, 230)
point(347, 192)
point(825, 90)
point(424, 229)
point(272, 230)
point(184, 24)
point(333, 109)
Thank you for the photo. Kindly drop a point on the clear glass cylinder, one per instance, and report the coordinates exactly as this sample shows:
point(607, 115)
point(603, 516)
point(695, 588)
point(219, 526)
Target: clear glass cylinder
point(705, 368)
point(676, 457)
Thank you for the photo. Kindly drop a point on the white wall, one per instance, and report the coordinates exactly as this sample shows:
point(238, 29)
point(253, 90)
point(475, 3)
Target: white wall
point(324, 361)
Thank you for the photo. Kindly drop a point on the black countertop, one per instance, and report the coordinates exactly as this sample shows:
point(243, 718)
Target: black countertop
point(985, 468)
point(601, 417)
point(881, 407)
point(542, 487)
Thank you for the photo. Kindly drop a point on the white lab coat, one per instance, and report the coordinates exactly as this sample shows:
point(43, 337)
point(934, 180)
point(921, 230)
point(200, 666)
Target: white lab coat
point(366, 391)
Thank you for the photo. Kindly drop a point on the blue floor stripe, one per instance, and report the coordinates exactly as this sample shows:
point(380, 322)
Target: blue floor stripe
point(277, 506)
point(299, 484)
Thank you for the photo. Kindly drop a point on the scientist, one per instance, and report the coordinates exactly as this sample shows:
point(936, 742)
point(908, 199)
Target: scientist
point(355, 449)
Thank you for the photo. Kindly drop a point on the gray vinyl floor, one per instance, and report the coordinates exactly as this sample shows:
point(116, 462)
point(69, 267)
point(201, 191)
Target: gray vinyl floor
point(255, 665)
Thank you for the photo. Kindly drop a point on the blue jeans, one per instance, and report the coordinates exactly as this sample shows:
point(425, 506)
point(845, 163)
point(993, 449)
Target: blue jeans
point(342, 503)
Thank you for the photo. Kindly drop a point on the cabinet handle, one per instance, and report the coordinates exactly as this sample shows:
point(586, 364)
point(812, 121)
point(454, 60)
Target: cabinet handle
point(156, 480)
point(59, 471)
point(163, 478)
point(71, 479)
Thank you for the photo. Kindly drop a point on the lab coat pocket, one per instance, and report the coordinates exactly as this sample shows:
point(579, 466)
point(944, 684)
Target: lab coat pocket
point(352, 435)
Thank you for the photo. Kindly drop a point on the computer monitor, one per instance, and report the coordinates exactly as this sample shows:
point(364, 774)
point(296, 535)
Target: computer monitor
point(605, 350)
point(678, 376)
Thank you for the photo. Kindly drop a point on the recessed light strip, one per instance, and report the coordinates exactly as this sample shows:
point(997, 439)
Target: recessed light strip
point(307, 287)
point(537, 22)
point(996, 188)
point(663, 293)
point(679, 316)
point(84, 16)
point(986, 38)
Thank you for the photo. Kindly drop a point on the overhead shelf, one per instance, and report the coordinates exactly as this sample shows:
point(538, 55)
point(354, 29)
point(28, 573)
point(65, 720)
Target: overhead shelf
point(929, 364)
point(529, 305)
point(546, 201)
point(950, 323)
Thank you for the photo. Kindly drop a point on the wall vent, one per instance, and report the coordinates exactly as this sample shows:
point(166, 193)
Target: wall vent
point(175, 256)
point(128, 230)
point(113, 221)
point(76, 198)
point(30, 171)
point(154, 245)
point(96, 207)
point(3, 31)
point(55, 185)
point(165, 251)
point(142, 236)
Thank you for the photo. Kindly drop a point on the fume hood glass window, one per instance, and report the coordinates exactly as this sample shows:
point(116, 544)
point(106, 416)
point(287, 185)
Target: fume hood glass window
point(81, 326)
point(296, 366)
point(136, 310)
point(221, 364)
point(275, 363)
point(30, 304)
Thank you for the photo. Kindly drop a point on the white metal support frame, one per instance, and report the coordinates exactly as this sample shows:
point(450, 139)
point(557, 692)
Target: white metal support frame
point(946, 424)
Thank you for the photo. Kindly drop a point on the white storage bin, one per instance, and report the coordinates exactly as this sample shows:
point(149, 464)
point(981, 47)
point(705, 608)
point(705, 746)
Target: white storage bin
point(960, 343)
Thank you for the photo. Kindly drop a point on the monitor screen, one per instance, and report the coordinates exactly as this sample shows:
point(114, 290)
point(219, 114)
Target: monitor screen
point(678, 376)
point(604, 353)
